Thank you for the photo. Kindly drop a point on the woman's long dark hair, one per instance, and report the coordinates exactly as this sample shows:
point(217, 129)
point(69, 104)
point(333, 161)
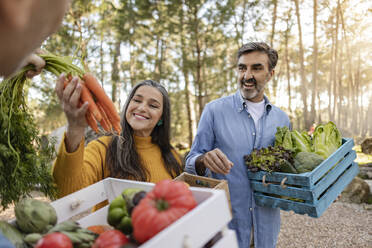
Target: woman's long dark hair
point(122, 158)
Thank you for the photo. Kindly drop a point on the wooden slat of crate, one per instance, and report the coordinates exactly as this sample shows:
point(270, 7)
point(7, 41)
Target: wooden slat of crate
point(199, 181)
point(332, 175)
point(292, 179)
point(313, 210)
point(295, 192)
point(336, 189)
point(306, 180)
point(310, 195)
point(327, 164)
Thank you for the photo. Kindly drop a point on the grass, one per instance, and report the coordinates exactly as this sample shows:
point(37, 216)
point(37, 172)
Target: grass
point(362, 158)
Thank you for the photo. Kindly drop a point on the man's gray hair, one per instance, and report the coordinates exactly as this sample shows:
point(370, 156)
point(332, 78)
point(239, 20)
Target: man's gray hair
point(261, 47)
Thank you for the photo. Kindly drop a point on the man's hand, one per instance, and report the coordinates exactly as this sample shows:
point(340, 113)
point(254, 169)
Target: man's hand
point(216, 161)
point(35, 60)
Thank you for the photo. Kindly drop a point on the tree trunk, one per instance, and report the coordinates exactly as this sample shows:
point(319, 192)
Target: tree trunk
point(331, 73)
point(115, 70)
point(275, 2)
point(315, 65)
point(319, 109)
point(275, 77)
point(198, 68)
point(360, 107)
point(288, 69)
point(351, 85)
point(339, 87)
point(335, 65)
point(239, 37)
point(101, 55)
point(369, 118)
point(302, 68)
point(185, 72)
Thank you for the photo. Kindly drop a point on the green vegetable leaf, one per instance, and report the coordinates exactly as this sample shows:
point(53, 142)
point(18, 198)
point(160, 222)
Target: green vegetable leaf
point(326, 139)
point(300, 143)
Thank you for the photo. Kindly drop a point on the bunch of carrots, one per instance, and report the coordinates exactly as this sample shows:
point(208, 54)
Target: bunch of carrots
point(101, 109)
point(24, 159)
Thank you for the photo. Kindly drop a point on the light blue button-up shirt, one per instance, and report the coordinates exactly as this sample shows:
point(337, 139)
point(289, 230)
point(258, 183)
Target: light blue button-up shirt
point(5, 243)
point(226, 124)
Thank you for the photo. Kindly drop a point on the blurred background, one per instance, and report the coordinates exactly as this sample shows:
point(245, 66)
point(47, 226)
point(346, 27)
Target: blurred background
point(324, 69)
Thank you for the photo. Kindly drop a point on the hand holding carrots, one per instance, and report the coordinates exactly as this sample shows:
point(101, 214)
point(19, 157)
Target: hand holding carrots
point(75, 112)
point(75, 94)
point(69, 97)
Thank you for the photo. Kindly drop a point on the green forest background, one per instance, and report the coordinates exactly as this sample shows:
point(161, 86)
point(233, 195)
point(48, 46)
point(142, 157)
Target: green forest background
point(324, 69)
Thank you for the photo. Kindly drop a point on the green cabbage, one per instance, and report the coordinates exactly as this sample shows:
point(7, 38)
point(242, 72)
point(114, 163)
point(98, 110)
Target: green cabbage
point(326, 139)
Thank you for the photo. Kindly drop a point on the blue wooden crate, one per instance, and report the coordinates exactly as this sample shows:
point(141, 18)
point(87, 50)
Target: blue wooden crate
point(313, 191)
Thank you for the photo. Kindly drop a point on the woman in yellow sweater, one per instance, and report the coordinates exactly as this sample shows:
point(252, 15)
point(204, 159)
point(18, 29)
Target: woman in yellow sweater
point(141, 152)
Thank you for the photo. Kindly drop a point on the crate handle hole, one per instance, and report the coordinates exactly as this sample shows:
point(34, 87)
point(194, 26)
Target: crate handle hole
point(282, 183)
point(186, 242)
point(75, 204)
point(263, 181)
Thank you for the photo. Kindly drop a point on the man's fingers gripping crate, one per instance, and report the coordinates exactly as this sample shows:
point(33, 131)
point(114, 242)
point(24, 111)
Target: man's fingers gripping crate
point(307, 193)
point(211, 215)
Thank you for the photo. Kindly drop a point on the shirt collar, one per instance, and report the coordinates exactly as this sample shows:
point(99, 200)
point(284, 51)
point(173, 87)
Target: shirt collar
point(240, 103)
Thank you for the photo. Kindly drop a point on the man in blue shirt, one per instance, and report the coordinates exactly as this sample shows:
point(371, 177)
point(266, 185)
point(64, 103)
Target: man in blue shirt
point(4, 242)
point(231, 127)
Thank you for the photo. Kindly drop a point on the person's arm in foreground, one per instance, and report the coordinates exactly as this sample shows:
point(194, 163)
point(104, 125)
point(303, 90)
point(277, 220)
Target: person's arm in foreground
point(75, 166)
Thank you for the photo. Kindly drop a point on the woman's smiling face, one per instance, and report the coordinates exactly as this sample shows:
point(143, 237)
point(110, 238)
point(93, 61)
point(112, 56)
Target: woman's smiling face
point(144, 110)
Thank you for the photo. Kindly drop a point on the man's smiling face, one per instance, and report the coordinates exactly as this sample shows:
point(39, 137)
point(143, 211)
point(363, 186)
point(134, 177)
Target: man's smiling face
point(253, 75)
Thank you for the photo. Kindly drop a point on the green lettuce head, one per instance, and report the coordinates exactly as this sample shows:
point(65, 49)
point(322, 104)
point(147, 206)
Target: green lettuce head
point(326, 139)
point(301, 142)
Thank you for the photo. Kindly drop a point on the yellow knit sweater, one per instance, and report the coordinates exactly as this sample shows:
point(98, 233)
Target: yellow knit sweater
point(77, 170)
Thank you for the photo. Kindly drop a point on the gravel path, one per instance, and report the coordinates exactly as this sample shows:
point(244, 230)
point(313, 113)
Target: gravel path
point(342, 225)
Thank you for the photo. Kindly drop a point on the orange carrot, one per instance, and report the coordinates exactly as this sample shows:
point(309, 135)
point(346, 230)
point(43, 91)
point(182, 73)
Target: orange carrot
point(99, 228)
point(87, 97)
point(105, 122)
point(93, 85)
point(117, 126)
point(91, 121)
point(105, 125)
point(114, 122)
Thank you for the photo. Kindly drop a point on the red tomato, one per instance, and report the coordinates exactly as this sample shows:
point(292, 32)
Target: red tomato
point(168, 201)
point(110, 238)
point(54, 240)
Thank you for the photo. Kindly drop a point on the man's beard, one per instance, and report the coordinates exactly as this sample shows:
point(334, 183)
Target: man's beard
point(249, 93)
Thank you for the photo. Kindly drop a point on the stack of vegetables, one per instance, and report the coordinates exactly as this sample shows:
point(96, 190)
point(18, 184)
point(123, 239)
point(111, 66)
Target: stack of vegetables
point(36, 227)
point(24, 159)
point(296, 152)
point(135, 216)
point(142, 215)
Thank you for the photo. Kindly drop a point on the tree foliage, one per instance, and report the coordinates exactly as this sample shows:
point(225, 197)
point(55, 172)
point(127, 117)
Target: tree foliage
point(190, 47)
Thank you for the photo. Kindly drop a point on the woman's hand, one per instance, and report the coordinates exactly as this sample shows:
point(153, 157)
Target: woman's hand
point(69, 97)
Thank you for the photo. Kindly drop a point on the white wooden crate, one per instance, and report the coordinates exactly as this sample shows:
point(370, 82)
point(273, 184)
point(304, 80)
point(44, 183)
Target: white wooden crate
point(194, 229)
